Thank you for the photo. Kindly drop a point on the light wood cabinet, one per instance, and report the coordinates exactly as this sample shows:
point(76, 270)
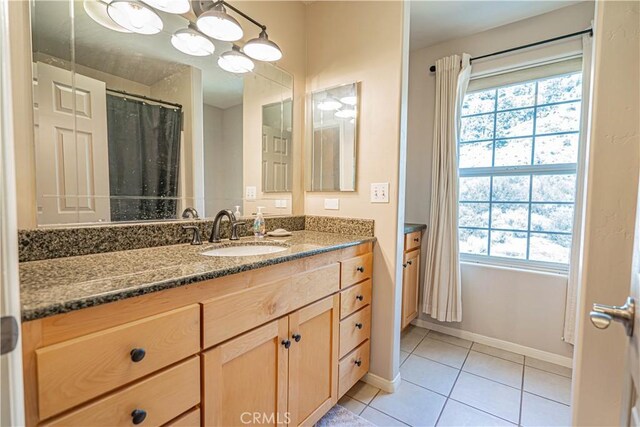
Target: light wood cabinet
point(247, 377)
point(410, 277)
point(257, 347)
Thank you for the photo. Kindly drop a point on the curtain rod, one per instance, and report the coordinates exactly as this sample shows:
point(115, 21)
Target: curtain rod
point(526, 46)
point(145, 98)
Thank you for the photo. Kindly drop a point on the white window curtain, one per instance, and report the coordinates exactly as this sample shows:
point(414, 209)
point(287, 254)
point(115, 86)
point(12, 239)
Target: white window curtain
point(443, 291)
point(575, 268)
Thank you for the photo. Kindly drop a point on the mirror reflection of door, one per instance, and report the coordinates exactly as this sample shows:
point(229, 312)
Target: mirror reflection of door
point(326, 152)
point(277, 159)
point(71, 147)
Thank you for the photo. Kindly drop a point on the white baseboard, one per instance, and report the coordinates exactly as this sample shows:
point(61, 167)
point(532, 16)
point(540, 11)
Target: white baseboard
point(382, 383)
point(494, 342)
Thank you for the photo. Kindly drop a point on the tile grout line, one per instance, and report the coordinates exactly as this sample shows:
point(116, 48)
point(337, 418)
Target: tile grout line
point(521, 395)
point(453, 386)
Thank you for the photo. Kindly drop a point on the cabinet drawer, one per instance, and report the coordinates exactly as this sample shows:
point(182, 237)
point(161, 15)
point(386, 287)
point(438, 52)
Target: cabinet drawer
point(353, 367)
point(354, 298)
point(356, 269)
point(354, 330)
point(189, 419)
point(231, 315)
point(412, 240)
point(162, 397)
point(74, 371)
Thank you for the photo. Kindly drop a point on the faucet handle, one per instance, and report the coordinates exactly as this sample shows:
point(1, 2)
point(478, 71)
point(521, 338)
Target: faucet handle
point(234, 229)
point(196, 240)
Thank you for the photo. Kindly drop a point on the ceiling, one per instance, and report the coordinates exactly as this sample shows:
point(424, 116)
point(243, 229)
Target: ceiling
point(141, 58)
point(435, 21)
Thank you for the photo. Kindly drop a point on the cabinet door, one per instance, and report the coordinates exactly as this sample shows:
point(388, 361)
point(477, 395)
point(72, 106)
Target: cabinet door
point(410, 286)
point(313, 360)
point(245, 379)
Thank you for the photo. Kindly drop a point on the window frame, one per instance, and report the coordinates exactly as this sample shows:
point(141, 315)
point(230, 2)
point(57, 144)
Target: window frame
point(530, 170)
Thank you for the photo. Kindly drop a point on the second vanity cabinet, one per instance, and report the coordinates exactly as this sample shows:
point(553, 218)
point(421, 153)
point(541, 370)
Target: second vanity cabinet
point(274, 345)
point(411, 277)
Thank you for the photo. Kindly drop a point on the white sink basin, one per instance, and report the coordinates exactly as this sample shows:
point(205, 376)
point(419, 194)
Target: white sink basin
point(245, 250)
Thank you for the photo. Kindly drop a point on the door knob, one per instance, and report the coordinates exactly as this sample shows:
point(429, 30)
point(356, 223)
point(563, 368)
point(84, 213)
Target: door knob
point(602, 315)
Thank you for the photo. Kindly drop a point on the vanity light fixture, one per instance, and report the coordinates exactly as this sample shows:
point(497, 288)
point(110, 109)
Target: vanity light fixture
point(177, 7)
point(347, 113)
point(263, 49)
point(329, 104)
point(135, 16)
point(217, 23)
point(234, 61)
point(192, 42)
point(349, 100)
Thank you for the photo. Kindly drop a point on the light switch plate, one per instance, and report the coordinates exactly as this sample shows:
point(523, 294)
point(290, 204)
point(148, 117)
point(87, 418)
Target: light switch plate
point(250, 193)
point(380, 192)
point(281, 203)
point(332, 204)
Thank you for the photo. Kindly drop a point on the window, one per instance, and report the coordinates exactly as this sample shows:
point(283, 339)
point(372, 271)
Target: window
point(518, 154)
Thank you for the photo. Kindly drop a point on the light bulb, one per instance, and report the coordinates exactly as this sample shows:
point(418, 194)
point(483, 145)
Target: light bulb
point(349, 100)
point(329, 104)
point(217, 23)
point(347, 113)
point(170, 6)
point(235, 61)
point(262, 49)
point(193, 43)
point(135, 16)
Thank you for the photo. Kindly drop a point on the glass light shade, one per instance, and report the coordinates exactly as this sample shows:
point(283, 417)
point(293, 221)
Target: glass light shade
point(349, 100)
point(347, 113)
point(329, 104)
point(170, 6)
point(97, 10)
point(217, 23)
point(235, 61)
point(193, 43)
point(135, 16)
point(262, 49)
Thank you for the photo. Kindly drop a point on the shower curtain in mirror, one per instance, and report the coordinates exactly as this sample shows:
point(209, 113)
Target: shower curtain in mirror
point(442, 287)
point(144, 158)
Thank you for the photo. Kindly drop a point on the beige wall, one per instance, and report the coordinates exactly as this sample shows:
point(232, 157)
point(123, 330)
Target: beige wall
point(362, 41)
point(482, 287)
point(610, 213)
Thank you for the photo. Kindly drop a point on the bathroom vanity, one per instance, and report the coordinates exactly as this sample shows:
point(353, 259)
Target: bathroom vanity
point(411, 272)
point(181, 339)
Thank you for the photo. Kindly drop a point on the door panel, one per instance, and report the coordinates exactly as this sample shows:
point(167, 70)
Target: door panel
point(313, 376)
point(410, 282)
point(71, 148)
point(245, 379)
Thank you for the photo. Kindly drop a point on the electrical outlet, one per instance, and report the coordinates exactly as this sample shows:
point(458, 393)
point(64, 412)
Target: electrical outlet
point(380, 192)
point(250, 193)
point(332, 204)
point(281, 203)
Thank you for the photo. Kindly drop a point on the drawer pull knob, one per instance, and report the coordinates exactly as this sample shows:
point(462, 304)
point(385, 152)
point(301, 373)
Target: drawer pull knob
point(360, 269)
point(286, 343)
point(137, 354)
point(409, 262)
point(358, 362)
point(296, 337)
point(138, 416)
point(417, 239)
point(359, 325)
point(360, 297)
point(404, 265)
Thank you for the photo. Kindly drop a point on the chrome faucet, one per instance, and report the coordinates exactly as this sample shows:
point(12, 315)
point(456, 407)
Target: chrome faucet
point(190, 213)
point(215, 233)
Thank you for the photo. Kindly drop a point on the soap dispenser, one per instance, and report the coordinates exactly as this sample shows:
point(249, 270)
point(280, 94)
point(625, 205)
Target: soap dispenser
point(259, 227)
point(237, 212)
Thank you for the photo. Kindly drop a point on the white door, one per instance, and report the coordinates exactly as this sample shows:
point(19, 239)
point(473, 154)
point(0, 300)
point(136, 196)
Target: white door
point(629, 316)
point(276, 160)
point(11, 388)
point(72, 173)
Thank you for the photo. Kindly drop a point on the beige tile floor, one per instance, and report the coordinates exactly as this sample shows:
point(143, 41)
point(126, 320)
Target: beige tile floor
point(448, 381)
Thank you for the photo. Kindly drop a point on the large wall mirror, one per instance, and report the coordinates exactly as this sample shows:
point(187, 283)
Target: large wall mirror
point(332, 144)
point(129, 128)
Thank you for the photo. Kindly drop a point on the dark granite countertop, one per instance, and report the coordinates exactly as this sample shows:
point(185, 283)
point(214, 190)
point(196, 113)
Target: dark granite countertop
point(410, 227)
point(56, 286)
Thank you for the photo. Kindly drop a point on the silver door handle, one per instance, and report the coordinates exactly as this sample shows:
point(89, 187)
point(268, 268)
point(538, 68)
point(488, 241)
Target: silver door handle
point(602, 315)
